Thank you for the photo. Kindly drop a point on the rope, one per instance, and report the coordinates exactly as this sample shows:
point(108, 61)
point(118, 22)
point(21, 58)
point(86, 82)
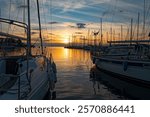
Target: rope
point(0, 23)
point(16, 19)
point(9, 15)
point(45, 18)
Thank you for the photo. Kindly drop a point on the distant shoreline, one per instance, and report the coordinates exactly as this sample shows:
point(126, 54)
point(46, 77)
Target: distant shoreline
point(52, 44)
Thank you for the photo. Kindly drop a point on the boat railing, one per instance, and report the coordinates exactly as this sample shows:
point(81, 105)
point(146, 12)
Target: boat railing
point(6, 35)
point(11, 75)
point(20, 85)
point(122, 60)
point(13, 22)
point(129, 41)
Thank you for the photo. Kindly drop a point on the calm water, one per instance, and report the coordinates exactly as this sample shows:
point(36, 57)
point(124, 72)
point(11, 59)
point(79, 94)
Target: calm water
point(79, 79)
point(74, 79)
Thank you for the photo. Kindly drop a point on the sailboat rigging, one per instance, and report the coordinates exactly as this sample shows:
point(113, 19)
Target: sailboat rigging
point(27, 76)
point(128, 60)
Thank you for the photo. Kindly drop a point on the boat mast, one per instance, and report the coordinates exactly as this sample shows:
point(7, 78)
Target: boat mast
point(24, 17)
point(131, 32)
point(111, 33)
point(138, 26)
point(29, 31)
point(107, 37)
point(144, 20)
point(114, 35)
point(88, 37)
point(121, 32)
point(101, 31)
point(40, 34)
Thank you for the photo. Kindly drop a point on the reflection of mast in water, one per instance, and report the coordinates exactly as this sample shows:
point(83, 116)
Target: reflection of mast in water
point(88, 62)
point(94, 81)
point(94, 84)
point(79, 57)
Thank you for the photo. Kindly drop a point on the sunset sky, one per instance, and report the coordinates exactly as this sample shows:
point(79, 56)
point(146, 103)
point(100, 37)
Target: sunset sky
point(63, 18)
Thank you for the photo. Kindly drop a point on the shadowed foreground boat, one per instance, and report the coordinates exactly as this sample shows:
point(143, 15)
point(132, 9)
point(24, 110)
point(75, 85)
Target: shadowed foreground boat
point(27, 76)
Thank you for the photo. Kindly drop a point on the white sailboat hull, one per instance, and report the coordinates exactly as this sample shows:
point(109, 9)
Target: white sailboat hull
point(40, 77)
point(134, 81)
point(132, 73)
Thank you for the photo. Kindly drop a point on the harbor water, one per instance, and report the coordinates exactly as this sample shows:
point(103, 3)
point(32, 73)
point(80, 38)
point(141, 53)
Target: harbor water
point(74, 77)
point(79, 79)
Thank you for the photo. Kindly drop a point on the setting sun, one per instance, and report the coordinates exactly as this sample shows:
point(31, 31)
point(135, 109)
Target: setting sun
point(65, 38)
point(66, 41)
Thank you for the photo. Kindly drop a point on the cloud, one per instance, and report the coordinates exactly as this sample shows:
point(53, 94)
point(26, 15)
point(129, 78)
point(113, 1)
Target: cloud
point(53, 22)
point(22, 6)
point(67, 18)
point(69, 4)
point(77, 25)
point(80, 25)
point(76, 10)
point(60, 15)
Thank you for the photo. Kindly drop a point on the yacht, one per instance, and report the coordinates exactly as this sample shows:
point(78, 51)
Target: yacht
point(129, 62)
point(26, 77)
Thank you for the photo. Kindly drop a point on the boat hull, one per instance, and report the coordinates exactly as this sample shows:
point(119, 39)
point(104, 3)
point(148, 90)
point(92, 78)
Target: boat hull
point(135, 79)
point(36, 86)
point(125, 89)
point(124, 68)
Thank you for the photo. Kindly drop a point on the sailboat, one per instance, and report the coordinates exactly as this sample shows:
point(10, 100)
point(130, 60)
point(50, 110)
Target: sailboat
point(27, 76)
point(128, 60)
point(127, 64)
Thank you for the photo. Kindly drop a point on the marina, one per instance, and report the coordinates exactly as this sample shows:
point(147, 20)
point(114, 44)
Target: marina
point(63, 50)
